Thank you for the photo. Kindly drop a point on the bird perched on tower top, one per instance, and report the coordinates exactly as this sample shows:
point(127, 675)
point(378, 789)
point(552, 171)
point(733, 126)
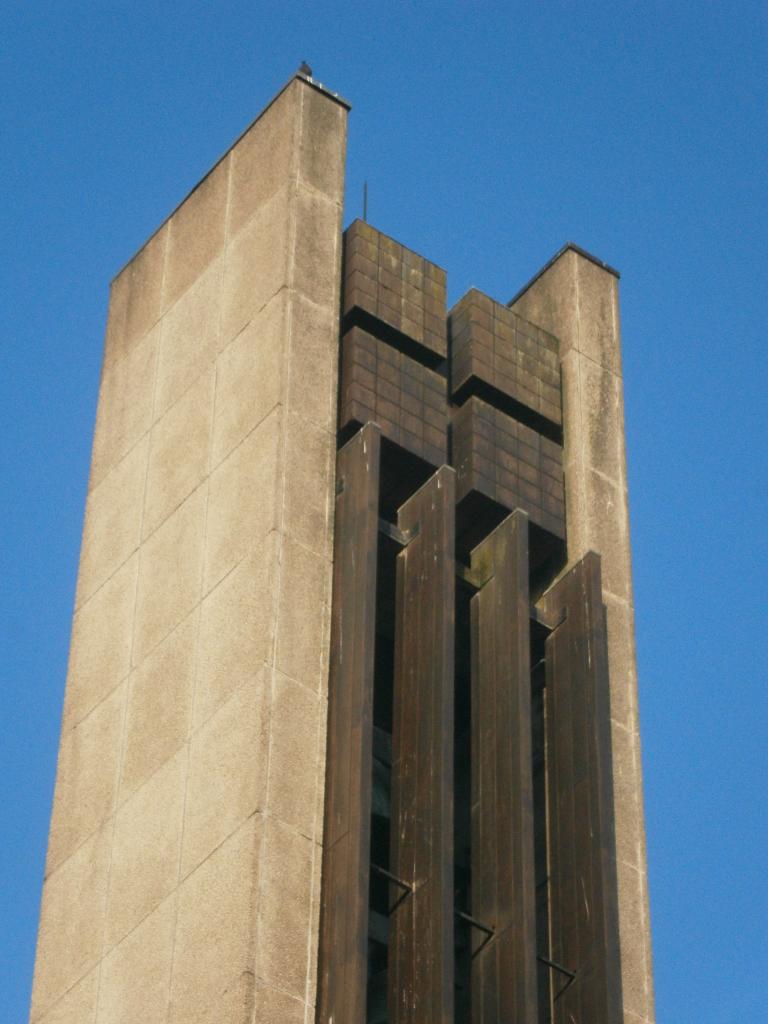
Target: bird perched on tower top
point(305, 69)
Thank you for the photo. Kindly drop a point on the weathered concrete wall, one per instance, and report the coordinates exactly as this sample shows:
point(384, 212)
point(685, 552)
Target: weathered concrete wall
point(184, 858)
point(577, 300)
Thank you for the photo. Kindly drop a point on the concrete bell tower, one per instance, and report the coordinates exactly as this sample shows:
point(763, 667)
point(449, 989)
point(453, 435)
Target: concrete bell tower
point(350, 732)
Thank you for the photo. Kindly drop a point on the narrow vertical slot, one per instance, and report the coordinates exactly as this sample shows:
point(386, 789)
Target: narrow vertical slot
point(462, 783)
point(379, 899)
point(541, 864)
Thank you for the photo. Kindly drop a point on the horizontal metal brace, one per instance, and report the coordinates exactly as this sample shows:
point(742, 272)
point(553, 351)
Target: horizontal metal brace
point(543, 620)
point(474, 923)
point(474, 579)
point(407, 888)
point(392, 878)
point(401, 537)
point(570, 975)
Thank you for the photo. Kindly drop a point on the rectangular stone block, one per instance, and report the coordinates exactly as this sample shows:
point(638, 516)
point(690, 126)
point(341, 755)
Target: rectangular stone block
point(135, 976)
point(100, 650)
point(243, 500)
point(606, 529)
point(297, 717)
point(71, 931)
point(215, 931)
point(159, 706)
point(630, 837)
point(316, 254)
point(263, 158)
point(314, 358)
point(237, 629)
point(250, 376)
point(125, 405)
point(190, 337)
point(86, 779)
point(310, 456)
point(78, 1006)
point(322, 147)
point(227, 772)
point(637, 990)
point(622, 661)
point(145, 854)
point(170, 575)
point(303, 615)
point(179, 452)
point(196, 232)
point(256, 265)
point(282, 954)
point(594, 414)
point(136, 297)
point(112, 521)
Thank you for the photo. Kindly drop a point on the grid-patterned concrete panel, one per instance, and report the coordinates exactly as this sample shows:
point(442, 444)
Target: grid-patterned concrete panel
point(400, 288)
point(503, 459)
point(493, 345)
point(406, 399)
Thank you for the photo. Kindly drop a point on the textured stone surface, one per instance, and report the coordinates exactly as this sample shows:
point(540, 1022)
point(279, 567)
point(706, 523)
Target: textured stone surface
point(169, 574)
point(160, 696)
point(297, 716)
point(178, 456)
point(284, 911)
point(112, 521)
point(135, 975)
point(237, 624)
point(242, 503)
point(190, 337)
point(100, 652)
point(145, 852)
point(196, 232)
point(227, 773)
point(78, 1006)
point(256, 264)
point(86, 777)
point(125, 405)
point(310, 453)
point(303, 615)
point(207, 536)
point(214, 932)
point(274, 1007)
point(249, 378)
point(69, 942)
point(136, 298)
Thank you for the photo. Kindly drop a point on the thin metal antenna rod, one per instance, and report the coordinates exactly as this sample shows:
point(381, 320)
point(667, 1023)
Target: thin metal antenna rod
point(365, 201)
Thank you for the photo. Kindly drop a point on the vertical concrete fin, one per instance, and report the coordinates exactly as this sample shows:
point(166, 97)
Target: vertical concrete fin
point(575, 298)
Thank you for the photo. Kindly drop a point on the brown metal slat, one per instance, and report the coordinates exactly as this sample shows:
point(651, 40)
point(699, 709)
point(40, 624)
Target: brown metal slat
point(342, 965)
point(421, 970)
point(583, 887)
point(504, 983)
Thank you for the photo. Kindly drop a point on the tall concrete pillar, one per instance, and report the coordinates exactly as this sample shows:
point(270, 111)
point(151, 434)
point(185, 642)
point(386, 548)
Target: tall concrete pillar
point(575, 297)
point(184, 860)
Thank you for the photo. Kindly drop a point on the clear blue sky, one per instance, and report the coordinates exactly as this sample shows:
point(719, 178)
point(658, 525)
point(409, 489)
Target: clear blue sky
point(489, 134)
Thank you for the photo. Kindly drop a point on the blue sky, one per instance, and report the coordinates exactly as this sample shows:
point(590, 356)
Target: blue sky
point(489, 134)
